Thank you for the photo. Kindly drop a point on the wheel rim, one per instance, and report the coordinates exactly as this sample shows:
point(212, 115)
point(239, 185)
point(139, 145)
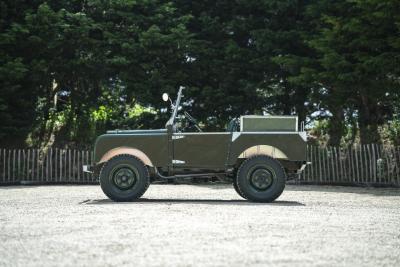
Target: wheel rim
point(124, 177)
point(261, 178)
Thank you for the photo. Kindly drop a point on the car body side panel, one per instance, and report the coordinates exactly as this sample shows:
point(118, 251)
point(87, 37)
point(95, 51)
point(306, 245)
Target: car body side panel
point(217, 150)
point(290, 143)
point(201, 150)
point(154, 145)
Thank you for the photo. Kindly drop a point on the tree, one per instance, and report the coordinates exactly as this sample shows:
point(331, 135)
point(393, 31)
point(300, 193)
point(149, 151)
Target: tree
point(357, 57)
point(69, 70)
point(16, 91)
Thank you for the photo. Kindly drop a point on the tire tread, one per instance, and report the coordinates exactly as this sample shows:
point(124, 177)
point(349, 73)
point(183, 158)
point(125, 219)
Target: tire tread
point(244, 163)
point(147, 174)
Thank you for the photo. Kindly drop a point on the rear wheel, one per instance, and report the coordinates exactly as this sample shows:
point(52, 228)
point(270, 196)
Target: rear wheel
point(124, 178)
point(261, 179)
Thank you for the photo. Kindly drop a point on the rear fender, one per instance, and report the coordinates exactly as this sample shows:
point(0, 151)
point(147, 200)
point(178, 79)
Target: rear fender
point(271, 151)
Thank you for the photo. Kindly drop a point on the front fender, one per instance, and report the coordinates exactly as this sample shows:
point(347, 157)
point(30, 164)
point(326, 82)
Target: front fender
point(150, 147)
point(126, 150)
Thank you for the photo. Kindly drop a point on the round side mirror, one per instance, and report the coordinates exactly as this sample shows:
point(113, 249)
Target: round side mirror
point(165, 97)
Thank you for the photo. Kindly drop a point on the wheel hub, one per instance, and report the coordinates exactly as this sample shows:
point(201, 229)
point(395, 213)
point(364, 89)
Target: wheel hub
point(261, 179)
point(124, 178)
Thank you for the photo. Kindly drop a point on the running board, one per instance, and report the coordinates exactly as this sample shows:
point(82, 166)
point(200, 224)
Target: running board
point(186, 175)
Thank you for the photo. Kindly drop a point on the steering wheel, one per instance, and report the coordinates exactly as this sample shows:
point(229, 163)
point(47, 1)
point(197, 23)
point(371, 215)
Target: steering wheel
point(192, 120)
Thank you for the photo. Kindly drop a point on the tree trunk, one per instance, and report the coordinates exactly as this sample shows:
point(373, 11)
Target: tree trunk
point(336, 125)
point(368, 121)
point(353, 125)
point(42, 136)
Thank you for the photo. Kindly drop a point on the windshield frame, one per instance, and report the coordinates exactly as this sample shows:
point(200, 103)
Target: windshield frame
point(171, 121)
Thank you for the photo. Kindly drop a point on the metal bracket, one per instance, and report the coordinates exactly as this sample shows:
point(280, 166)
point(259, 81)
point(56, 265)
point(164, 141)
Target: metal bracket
point(175, 137)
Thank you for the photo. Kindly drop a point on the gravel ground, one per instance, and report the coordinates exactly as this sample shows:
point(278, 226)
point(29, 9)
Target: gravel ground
point(186, 225)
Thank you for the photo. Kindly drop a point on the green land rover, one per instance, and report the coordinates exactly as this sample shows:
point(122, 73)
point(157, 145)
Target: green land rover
point(256, 153)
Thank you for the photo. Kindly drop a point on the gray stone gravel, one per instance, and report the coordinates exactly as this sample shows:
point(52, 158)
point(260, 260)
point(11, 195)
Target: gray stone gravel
point(186, 225)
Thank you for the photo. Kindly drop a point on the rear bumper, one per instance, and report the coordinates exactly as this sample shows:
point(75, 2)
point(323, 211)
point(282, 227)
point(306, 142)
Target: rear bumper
point(303, 166)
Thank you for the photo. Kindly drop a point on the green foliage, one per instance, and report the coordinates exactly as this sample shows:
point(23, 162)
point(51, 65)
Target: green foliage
point(70, 70)
point(319, 132)
point(391, 132)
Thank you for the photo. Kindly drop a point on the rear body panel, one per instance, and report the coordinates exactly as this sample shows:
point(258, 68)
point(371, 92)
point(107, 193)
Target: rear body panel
point(290, 143)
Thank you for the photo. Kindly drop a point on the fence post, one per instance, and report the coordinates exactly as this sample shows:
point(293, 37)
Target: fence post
point(341, 173)
point(397, 153)
point(2, 161)
point(373, 163)
point(319, 163)
point(333, 163)
point(305, 172)
point(2, 152)
point(56, 162)
point(59, 164)
point(28, 154)
point(79, 163)
point(88, 163)
point(91, 163)
point(310, 159)
point(41, 162)
point(326, 164)
point(71, 171)
point(360, 167)
point(51, 165)
point(351, 161)
point(73, 165)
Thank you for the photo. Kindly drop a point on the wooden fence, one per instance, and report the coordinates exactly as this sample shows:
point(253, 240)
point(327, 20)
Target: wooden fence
point(38, 166)
point(365, 164)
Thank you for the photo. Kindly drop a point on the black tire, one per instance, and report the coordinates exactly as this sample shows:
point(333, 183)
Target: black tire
point(236, 188)
point(124, 178)
point(261, 179)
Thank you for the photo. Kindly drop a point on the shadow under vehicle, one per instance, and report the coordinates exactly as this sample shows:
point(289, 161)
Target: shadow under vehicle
point(256, 153)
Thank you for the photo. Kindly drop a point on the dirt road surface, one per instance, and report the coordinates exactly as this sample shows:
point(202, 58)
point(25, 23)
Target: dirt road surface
point(186, 225)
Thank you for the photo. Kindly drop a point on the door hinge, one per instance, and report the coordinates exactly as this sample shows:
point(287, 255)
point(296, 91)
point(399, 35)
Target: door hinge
point(176, 161)
point(174, 137)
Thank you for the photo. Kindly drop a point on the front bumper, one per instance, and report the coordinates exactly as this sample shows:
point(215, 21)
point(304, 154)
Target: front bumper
point(88, 168)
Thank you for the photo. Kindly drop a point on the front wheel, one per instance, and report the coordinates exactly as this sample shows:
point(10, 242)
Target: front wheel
point(124, 178)
point(235, 186)
point(261, 179)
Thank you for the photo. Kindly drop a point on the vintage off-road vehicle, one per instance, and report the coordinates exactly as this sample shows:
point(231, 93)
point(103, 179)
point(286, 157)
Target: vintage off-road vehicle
point(257, 153)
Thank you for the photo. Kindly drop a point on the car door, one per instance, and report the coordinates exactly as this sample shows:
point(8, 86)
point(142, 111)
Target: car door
point(201, 150)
